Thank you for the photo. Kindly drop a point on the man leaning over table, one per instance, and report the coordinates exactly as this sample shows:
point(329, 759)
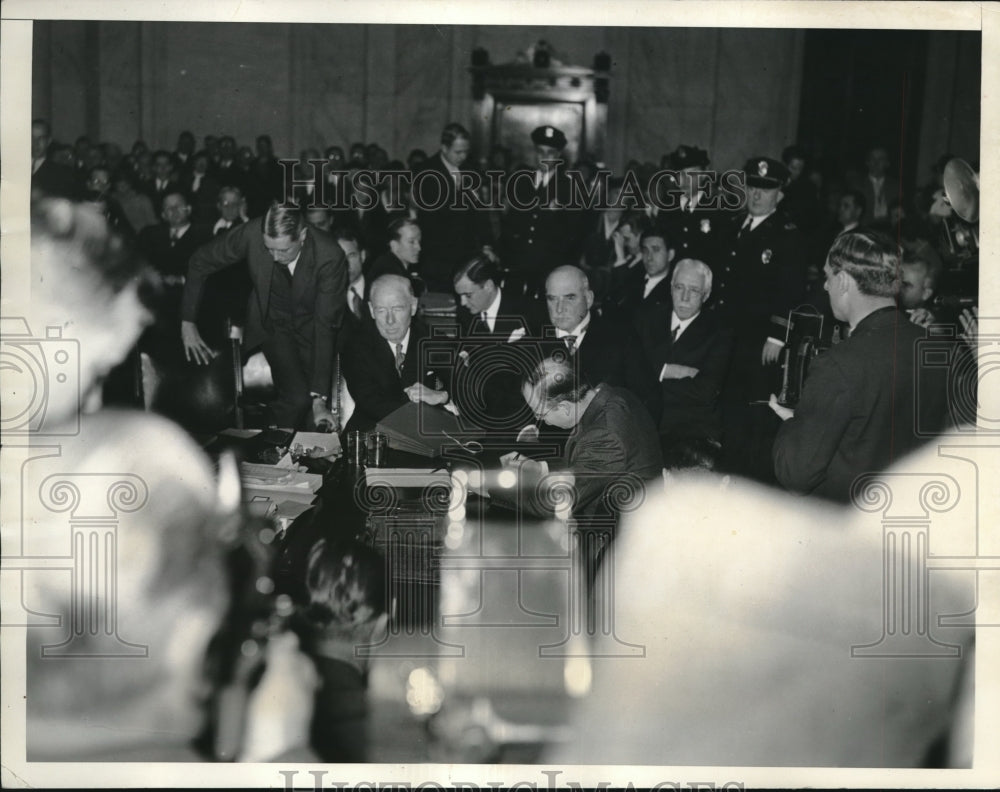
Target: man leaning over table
point(295, 309)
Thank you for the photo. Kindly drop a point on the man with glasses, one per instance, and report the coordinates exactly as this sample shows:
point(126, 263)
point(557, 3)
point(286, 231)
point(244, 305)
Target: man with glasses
point(612, 436)
point(690, 354)
point(386, 365)
point(294, 312)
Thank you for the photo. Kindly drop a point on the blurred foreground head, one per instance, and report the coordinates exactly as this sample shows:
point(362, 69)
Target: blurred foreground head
point(120, 675)
point(87, 285)
point(797, 634)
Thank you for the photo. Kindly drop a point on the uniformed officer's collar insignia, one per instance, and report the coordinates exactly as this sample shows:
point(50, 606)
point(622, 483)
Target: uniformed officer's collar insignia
point(765, 257)
point(762, 168)
point(548, 132)
point(706, 226)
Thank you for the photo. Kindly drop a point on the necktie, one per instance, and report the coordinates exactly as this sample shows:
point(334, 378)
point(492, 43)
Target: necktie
point(746, 226)
point(570, 343)
point(355, 302)
point(400, 357)
point(173, 237)
point(284, 270)
point(673, 333)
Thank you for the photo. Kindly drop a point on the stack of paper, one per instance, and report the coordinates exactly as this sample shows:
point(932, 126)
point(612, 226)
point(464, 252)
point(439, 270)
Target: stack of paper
point(279, 483)
point(318, 444)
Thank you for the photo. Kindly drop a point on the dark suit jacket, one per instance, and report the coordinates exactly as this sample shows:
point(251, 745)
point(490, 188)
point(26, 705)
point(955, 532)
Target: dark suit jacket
point(157, 196)
point(487, 382)
point(598, 250)
point(861, 182)
point(859, 408)
point(449, 235)
point(318, 290)
point(689, 405)
point(612, 352)
point(626, 293)
point(615, 436)
point(53, 179)
point(389, 264)
point(162, 340)
point(369, 368)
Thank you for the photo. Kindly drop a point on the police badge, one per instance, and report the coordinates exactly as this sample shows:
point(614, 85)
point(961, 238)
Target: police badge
point(765, 257)
point(706, 226)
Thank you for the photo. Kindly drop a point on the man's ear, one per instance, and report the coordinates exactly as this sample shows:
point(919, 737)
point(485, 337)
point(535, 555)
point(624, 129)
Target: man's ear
point(589, 296)
point(671, 254)
point(303, 234)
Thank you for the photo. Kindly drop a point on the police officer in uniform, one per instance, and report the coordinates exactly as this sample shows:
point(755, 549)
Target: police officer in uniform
point(695, 223)
point(541, 231)
point(759, 276)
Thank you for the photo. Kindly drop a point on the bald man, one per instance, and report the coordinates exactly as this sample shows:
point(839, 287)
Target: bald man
point(606, 350)
point(386, 365)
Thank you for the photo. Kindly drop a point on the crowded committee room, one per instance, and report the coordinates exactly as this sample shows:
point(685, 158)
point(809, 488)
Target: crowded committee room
point(498, 395)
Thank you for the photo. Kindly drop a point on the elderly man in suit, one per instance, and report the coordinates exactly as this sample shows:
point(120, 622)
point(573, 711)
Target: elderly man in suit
point(453, 230)
point(385, 364)
point(864, 401)
point(608, 350)
point(690, 354)
point(294, 312)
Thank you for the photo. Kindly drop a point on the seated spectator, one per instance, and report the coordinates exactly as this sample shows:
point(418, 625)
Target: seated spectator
point(97, 190)
point(164, 179)
point(135, 205)
point(168, 246)
point(202, 187)
point(402, 256)
point(48, 176)
point(638, 288)
point(916, 288)
point(599, 244)
point(486, 387)
point(689, 352)
point(385, 366)
point(608, 350)
point(357, 307)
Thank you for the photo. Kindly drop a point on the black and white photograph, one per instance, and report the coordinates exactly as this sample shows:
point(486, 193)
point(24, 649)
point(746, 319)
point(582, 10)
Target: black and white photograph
point(497, 395)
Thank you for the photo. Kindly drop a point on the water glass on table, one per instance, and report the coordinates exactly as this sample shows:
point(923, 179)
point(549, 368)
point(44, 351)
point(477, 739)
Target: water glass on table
point(356, 448)
point(378, 446)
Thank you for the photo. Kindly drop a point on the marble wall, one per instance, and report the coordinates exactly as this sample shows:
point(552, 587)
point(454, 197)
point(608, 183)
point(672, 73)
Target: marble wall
point(734, 91)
